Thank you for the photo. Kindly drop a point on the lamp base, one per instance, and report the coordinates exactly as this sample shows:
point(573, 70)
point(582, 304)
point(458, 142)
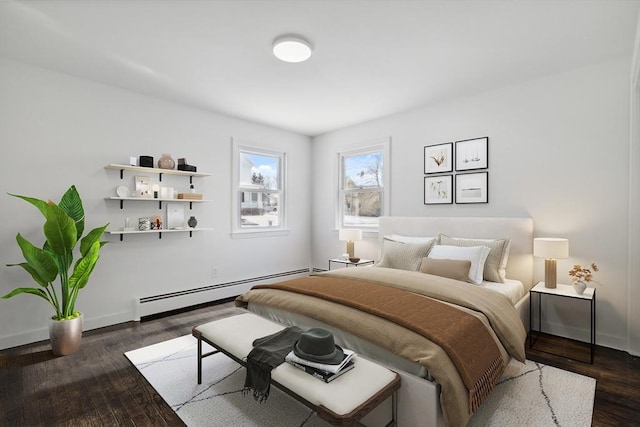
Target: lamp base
point(350, 248)
point(550, 278)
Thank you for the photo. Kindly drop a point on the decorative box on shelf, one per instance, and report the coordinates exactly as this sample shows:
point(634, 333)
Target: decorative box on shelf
point(190, 196)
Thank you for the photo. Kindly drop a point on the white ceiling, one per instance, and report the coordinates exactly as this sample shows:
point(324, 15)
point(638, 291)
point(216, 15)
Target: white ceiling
point(371, 58)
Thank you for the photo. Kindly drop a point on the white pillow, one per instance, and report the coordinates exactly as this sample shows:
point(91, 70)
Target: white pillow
point(495, 266)
point(476, 254)
point(410, 239)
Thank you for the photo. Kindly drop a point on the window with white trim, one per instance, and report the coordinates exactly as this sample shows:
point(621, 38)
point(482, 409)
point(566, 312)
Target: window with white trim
point(363, 186)
point(259, 177)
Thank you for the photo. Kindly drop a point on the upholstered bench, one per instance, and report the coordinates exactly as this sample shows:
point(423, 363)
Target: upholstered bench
point(342, 402)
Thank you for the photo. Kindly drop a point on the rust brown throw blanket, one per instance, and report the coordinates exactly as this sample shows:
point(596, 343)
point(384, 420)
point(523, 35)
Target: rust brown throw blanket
point(463, 337)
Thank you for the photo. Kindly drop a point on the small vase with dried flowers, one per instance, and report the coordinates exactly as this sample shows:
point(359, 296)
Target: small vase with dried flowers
point(580, 275)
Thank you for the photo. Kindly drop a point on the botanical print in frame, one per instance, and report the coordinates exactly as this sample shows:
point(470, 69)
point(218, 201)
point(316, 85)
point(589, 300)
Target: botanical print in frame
point(143, 187)
point(472, 154)
point(438, 158)
point(438, 189)
point(472, 187)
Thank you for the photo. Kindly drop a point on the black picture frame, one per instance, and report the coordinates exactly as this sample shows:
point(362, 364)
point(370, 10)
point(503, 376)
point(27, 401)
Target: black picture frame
point(438, 158)
point(472, 154)
point(438, 190)
point(472, 188)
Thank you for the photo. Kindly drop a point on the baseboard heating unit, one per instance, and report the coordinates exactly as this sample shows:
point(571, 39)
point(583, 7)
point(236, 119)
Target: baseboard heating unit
point(161, 303)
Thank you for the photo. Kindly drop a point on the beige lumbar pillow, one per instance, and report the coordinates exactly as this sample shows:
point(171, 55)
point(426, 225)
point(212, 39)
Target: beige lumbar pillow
point(451, 268)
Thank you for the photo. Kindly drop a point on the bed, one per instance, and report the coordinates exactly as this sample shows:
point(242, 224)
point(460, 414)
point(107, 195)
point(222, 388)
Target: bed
point(433, 389)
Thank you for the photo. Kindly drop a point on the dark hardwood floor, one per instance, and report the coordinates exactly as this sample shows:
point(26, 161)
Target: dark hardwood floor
point(97, 386)
point(617, 374)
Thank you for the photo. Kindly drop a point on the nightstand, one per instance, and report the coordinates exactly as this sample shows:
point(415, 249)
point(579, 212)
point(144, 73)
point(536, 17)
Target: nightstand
point(349, 263)
point(563, 291)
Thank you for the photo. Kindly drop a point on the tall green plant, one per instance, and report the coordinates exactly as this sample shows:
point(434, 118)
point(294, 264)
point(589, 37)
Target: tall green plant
point(63, 229)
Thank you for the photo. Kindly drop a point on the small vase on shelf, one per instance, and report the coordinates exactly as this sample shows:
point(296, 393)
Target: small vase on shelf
point(579, 287)
point(192, 222)
point(166, 162)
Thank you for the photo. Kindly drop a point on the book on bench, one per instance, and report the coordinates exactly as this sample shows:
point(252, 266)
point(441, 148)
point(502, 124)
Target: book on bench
point(348, 355)
point(323, 375)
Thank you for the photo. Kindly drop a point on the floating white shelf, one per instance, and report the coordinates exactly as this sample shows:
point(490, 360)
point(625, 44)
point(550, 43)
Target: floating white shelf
point(158, 232)
point(149, 199)
point(157, 171)
point(159, 201)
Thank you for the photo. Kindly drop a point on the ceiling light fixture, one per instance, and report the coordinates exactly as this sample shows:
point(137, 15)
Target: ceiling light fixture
point(291, 48)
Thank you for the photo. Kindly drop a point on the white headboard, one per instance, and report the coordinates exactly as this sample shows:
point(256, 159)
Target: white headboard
point(519, 230)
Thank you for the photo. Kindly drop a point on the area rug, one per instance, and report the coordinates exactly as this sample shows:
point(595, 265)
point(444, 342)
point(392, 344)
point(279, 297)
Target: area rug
point(530, 394)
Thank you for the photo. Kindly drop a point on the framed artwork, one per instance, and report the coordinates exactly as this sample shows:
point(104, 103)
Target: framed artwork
point(438, 158)
point(175, 216)
point(438, 190)
point(472, 154)
point(143, 186)
point(472, 187)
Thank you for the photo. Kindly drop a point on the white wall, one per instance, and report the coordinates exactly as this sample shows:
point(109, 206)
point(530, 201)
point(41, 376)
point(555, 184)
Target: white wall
point(558, 150)
point(57, 130)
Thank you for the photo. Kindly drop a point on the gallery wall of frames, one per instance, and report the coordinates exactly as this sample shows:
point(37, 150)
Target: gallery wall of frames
point(469, 183)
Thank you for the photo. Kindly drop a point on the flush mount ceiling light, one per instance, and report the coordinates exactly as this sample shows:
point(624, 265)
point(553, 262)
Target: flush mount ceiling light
point(291, 48)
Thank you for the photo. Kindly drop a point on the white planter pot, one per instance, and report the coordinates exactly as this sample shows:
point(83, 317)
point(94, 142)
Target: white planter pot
point(65, 335)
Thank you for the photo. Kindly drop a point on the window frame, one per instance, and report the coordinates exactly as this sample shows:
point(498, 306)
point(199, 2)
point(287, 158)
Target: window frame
point(381, 145)
point(238, 231)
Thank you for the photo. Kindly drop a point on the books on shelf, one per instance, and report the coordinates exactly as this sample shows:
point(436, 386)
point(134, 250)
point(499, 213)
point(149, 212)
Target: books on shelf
point(190, 196)
point(323, 375)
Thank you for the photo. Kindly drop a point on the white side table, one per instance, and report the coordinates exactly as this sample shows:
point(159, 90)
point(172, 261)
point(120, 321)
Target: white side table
point(348, 263)
point(564, 291)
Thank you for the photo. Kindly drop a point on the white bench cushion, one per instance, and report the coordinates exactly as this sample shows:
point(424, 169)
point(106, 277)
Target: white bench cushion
point(236, 334)
point(344, 394)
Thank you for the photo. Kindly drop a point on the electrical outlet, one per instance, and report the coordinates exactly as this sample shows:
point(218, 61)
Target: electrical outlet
point(214, 272)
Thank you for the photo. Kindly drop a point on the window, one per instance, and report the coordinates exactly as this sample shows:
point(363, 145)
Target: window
point(363, 186)
point(258, 189)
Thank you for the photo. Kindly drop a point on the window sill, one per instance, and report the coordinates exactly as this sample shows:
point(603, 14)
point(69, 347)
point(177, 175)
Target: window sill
point(366, 234)
point(251, 234)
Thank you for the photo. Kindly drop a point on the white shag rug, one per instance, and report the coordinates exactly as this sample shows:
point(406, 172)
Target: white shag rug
point(532, 394)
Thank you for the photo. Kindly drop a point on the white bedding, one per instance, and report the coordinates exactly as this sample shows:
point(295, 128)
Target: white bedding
point(512, 289)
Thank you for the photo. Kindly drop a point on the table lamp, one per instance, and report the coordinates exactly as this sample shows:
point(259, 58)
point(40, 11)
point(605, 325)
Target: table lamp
point(350, 235)
point(551, 249)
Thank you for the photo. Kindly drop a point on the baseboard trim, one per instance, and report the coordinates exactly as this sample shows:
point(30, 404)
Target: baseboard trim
point(42, 334)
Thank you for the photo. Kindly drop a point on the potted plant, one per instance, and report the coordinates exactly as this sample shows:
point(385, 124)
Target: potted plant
point(63, 229)
point(580, 275)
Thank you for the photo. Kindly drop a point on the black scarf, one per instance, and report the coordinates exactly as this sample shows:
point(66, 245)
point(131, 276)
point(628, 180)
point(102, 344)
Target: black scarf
point(268, 352)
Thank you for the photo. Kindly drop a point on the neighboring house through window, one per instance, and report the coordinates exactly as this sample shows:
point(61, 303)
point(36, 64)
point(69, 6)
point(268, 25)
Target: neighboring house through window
point(258, 193)
point(363, 185)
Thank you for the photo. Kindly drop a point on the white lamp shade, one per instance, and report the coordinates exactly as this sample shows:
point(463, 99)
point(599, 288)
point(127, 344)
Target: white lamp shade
point(349, 235)
point(550, 247)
